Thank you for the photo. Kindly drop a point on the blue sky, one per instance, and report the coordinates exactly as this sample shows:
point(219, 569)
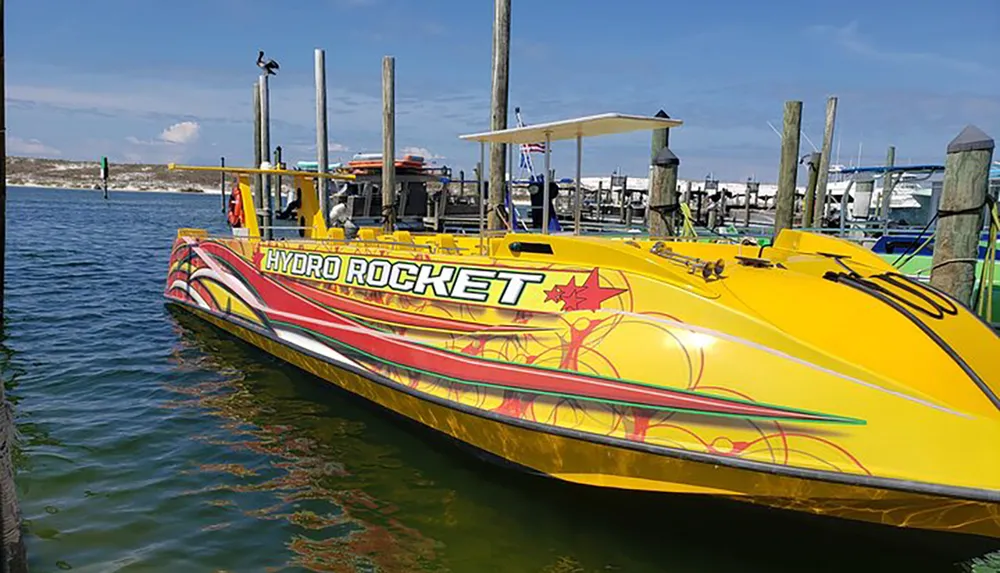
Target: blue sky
point(137, 82)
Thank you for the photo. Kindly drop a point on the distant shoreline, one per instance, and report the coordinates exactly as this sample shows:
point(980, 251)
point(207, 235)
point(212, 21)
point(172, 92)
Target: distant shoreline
point(112, 190)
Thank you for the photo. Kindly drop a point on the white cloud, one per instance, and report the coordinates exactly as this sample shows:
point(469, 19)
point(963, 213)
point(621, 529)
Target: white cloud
point(181, 133)
point(335, 147)
point(849, 38)
point(30, 147)
point(421, 151)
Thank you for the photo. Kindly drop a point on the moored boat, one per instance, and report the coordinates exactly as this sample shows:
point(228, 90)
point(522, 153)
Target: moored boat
point(761, 374)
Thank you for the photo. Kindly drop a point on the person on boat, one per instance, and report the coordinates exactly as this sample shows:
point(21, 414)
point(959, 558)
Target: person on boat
point(537, 205)
point(292, 209)
point(339, 216)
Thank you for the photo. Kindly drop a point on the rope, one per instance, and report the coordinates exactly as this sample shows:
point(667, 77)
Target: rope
point(985, 306)
point(897, 264)
point(687, 227)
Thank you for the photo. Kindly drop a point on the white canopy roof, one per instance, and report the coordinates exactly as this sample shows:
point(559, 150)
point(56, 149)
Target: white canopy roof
point(603, 124)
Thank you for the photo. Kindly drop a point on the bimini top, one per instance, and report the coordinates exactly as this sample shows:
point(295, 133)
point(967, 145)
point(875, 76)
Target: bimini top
point(603, 124)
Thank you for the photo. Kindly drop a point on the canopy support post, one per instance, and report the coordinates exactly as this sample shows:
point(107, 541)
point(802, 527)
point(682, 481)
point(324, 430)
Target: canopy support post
point(480, 188)
point(578, 201)
point(545, 183)
point(510, 187)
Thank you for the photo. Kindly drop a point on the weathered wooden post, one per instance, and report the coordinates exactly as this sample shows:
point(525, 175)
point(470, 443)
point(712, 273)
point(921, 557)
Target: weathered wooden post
point(712, 215)
point(784, 205)
point(277, 184)
point(600, 196)
point(819, 208)
point(258, 183)
point(222, 183)
point(888, 184)
point(322, 142)
point(753, 189)
point(389, 143)
point(813, 164)
point(960, 214)
point(864, 188)
point(3, 171)
point(498, 108)
point(662, 202)
point(14, 559)
point(265, 155)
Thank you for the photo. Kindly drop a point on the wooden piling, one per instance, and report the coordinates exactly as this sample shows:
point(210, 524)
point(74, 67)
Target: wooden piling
point(276, 185)
point(3, 170)
point(389, 143)
point(600, 195)
point(258, 183)
point(864, 186)
point(960, 214)
point(784, 207)
point(265, 154)
point(888, 184)
point(13, 557)
point(746, 205)
point(813, 164)
point(498, 108)
point(662, 183)
point(819, 208)
point(222, 183)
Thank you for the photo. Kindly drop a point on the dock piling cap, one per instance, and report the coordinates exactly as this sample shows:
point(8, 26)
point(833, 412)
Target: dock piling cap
point(971, 139)
point(666, 158)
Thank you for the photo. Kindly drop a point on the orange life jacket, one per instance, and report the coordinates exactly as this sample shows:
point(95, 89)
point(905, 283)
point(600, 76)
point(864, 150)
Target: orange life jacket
point(236, 216)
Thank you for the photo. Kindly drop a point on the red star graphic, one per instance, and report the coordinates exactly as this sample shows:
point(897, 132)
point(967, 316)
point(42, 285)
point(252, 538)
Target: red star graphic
point(588, 296)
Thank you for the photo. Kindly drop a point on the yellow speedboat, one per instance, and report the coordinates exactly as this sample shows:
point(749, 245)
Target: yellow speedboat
point(806, 375)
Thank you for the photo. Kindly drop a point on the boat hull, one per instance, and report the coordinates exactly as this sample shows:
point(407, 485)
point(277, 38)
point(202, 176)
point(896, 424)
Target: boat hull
point(547, 429)
point(607, 462)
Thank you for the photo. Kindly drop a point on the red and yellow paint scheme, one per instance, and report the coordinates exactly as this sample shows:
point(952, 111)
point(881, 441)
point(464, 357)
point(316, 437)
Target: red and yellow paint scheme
point(807, 375)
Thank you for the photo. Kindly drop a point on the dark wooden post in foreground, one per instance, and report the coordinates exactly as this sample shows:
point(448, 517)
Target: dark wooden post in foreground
point(3, 170)
point(819, 209)
point(498, 109)
point(784, 202)
point(813, 163)
point(662, 184)
point(12, 553)
point(389, 143)
point(960, 214)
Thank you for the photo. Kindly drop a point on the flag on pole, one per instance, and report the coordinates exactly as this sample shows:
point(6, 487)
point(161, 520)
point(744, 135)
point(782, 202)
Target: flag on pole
point(527, 148)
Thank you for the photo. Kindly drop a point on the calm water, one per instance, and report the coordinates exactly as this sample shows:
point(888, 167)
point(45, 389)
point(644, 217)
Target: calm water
point(152, 443)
